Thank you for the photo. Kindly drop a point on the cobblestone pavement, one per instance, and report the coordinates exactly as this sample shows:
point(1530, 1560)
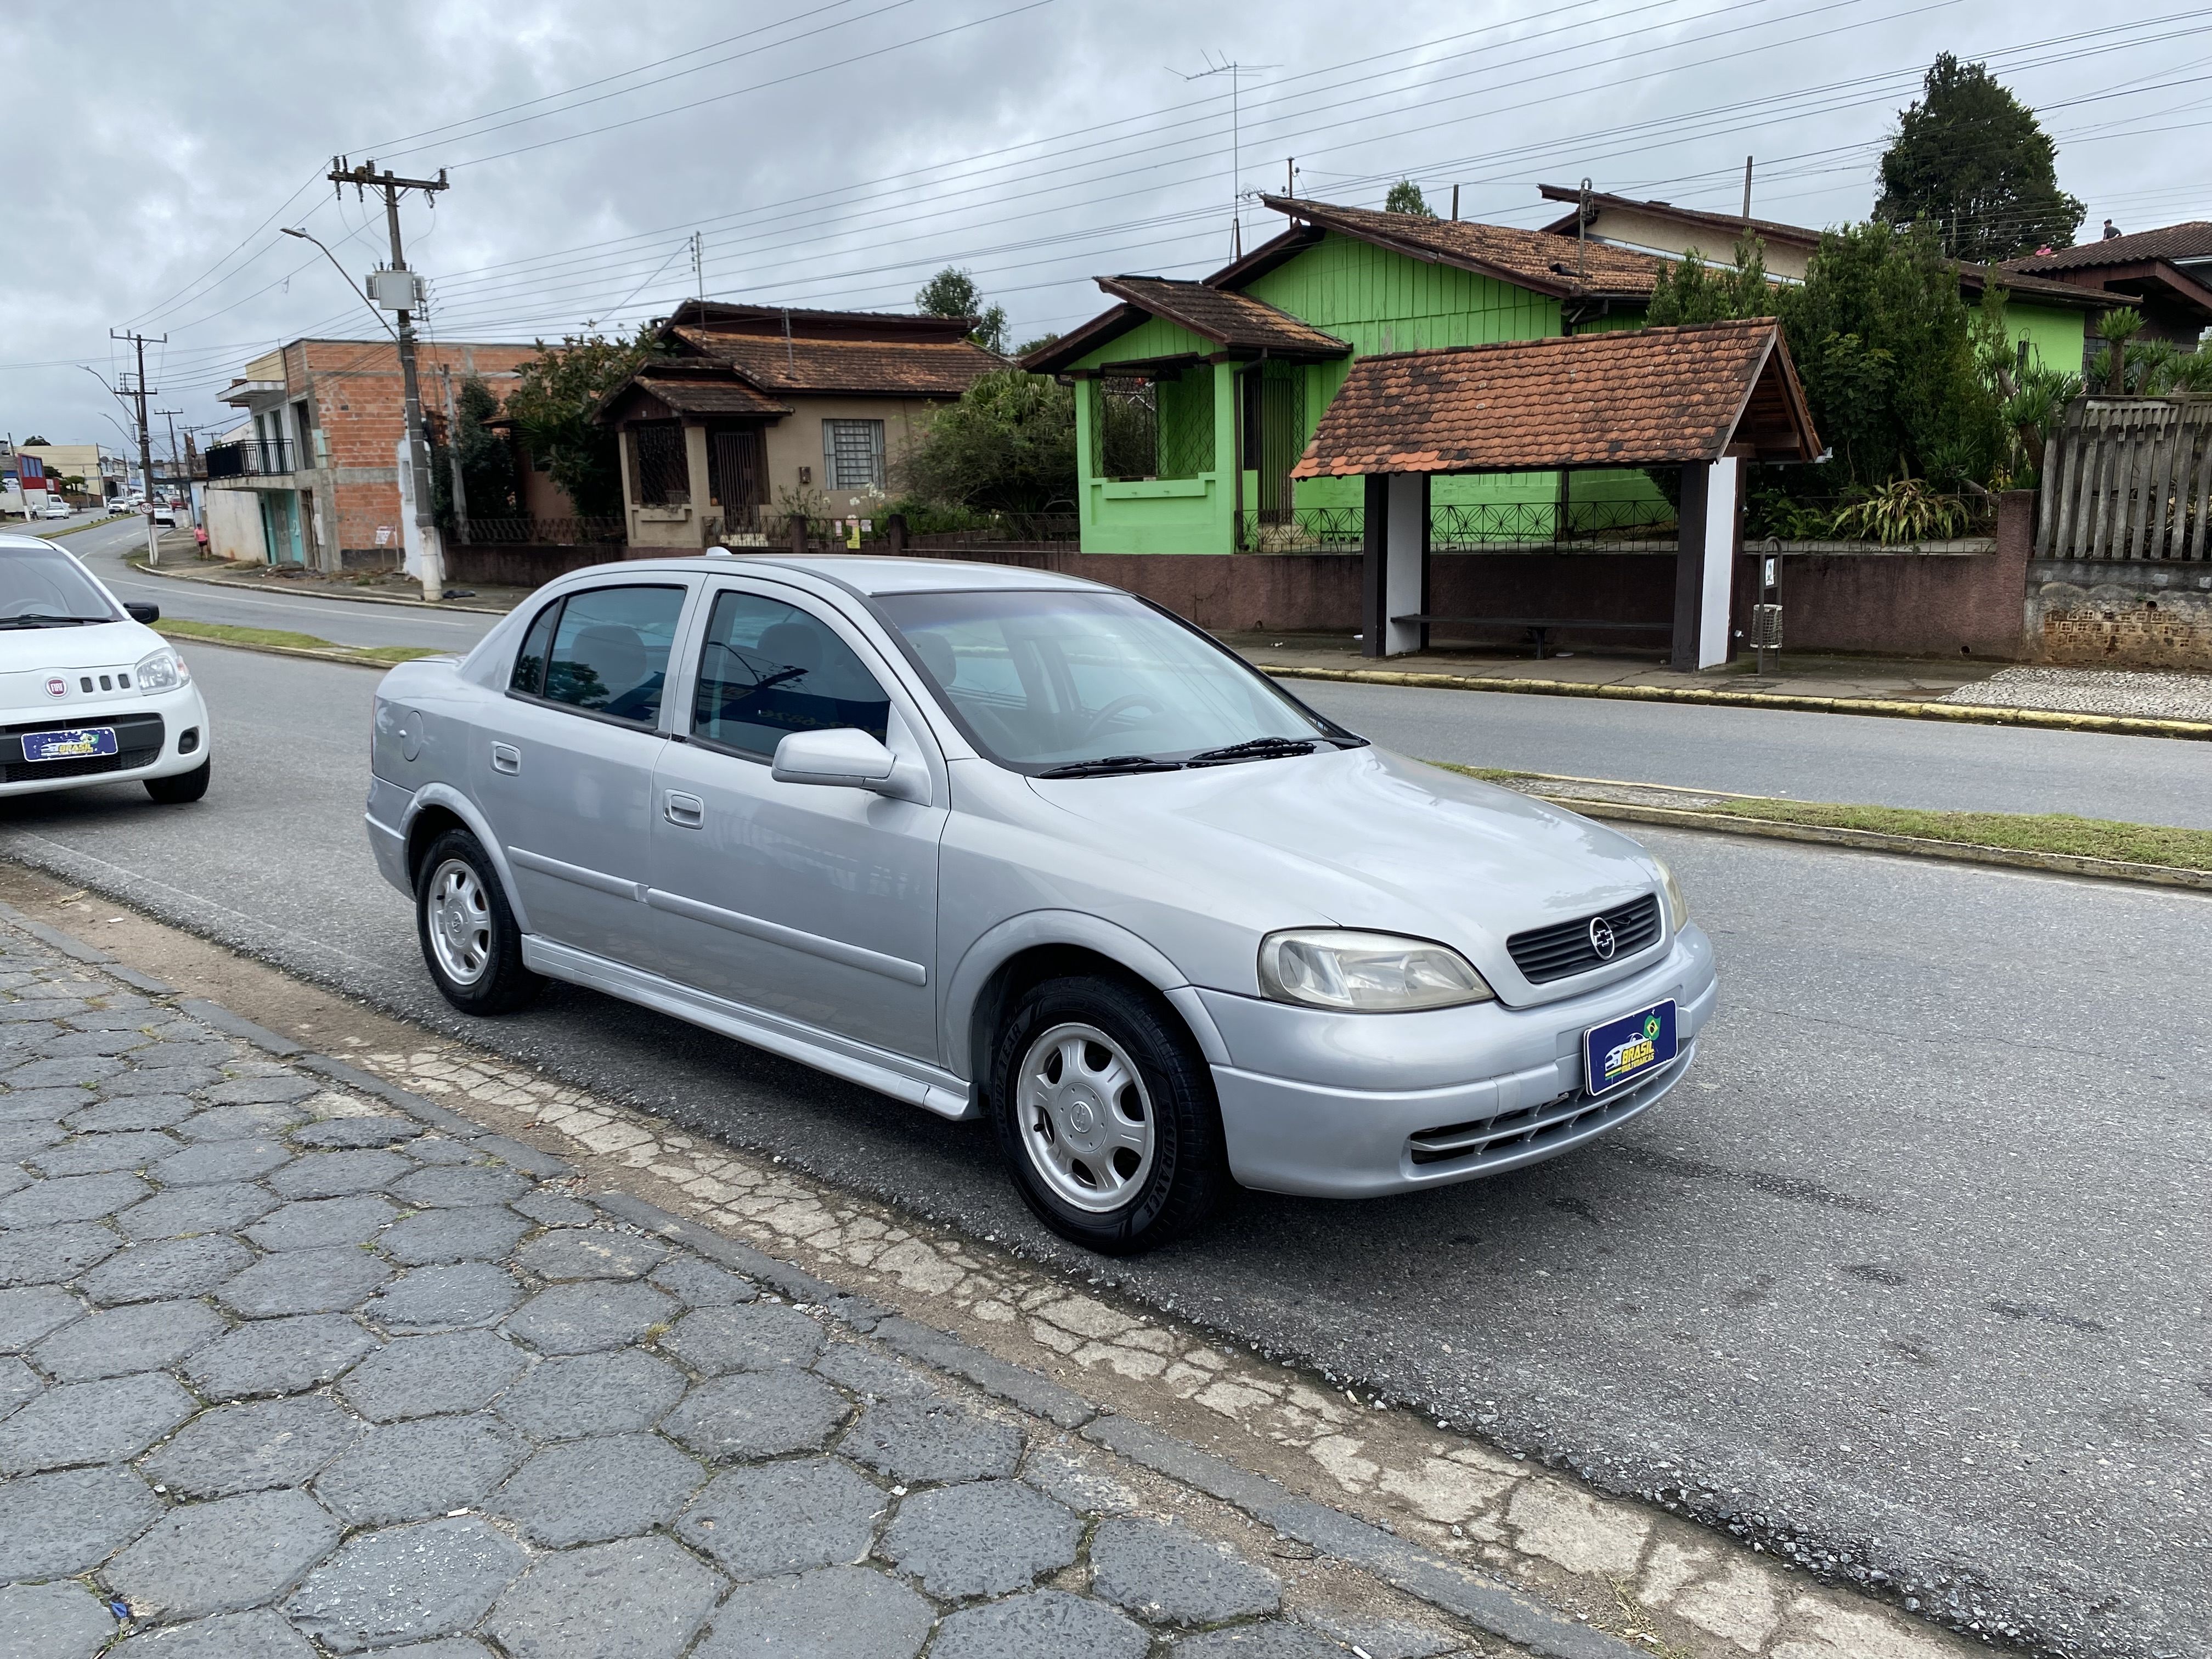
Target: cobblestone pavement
point(287, 1372)
point(2093, 691)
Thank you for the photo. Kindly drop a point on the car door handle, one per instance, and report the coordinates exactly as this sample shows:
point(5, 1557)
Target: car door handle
point(685, 811)
point(505, 758)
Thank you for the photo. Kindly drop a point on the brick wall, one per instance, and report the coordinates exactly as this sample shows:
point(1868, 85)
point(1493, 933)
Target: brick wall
point(359, 408)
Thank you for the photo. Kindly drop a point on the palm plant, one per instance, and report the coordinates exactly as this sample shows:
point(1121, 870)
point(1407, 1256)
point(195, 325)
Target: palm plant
point(1905, 510)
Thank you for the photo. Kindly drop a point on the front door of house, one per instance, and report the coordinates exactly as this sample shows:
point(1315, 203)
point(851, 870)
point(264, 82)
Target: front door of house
point(280, 533)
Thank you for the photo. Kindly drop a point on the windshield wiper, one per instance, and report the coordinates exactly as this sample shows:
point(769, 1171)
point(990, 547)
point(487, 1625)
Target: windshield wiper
point(51, 622)
point(1256, 749)
point(1109, 765)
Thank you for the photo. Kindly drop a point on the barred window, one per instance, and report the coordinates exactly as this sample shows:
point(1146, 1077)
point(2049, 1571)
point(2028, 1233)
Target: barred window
point(1153, 425)
point(659, 465)
point(853, 454)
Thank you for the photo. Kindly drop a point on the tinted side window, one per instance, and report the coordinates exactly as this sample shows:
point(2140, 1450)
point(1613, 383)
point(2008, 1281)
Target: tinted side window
point(611, 648)
point(529, 674)
point(769, 669)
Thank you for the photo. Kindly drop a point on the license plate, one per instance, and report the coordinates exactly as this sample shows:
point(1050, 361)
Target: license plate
point(1621, 1050)
point(81, 745)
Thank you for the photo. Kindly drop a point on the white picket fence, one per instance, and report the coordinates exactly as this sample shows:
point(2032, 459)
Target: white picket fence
point(2129, 479)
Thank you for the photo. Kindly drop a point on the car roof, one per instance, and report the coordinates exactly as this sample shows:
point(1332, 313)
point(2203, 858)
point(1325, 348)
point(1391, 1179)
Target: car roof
point(860, 573)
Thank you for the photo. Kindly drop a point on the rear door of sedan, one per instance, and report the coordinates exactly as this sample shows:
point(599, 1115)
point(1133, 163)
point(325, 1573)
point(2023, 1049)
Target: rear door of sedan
point(817, 904)
point(564, 763)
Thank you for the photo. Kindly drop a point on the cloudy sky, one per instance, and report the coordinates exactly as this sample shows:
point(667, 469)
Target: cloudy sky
point(836, 153)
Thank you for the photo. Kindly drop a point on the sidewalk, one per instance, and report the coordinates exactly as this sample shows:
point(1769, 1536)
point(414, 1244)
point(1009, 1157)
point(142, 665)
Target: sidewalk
point(307, 1354)
point(180, 558)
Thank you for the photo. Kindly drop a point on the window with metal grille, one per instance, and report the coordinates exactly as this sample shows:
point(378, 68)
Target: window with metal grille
point(659, 465)
point(853, 454)
point(1154, 426)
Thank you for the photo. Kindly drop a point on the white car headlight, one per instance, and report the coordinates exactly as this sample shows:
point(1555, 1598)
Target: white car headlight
point(164, 671)
point(1366, 973)
point(1677, 907)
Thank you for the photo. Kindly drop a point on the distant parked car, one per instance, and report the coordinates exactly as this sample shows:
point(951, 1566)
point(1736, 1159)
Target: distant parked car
point(1011, 845)
point(56, 510)
point(88, 693)
point(166, 514)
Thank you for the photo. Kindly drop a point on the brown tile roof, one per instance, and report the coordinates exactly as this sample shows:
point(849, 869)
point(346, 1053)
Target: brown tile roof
point(1528, 258)
point(694, 394)
point(1646, 397)
point(2191, 240)
point(914, 369)
point(1239, 324)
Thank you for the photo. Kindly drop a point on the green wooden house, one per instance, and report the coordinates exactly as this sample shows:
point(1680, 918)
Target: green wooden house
point(1196, 398)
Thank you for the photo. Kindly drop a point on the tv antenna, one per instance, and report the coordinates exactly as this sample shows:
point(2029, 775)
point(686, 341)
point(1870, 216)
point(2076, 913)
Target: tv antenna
point(1236, 72)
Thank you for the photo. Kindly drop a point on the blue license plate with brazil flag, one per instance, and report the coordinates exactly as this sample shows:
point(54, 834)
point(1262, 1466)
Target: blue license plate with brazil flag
point(1620, 1051)
point(84, 744)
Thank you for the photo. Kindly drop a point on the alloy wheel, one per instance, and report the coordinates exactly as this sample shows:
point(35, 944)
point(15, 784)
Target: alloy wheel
point(1086, 1119)
point(459, 918)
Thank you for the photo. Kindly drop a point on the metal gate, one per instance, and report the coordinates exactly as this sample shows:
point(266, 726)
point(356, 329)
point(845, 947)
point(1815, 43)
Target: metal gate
point(2129, 479)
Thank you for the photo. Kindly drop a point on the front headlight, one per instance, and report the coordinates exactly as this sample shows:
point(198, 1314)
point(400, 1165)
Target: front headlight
point(1366, 973)
point(1677, 907)
point(164, 671)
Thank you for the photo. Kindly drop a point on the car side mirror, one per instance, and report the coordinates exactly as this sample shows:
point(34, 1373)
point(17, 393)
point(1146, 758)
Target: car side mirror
point(141, 611)
point(846, 756)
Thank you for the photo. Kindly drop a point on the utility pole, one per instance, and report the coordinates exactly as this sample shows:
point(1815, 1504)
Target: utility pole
point(1746, 192)
point(363, 177)
point(172, 414)
point(140, 392)
point(699, 265)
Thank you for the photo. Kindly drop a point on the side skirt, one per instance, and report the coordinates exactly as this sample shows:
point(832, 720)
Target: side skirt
point(915, 1083)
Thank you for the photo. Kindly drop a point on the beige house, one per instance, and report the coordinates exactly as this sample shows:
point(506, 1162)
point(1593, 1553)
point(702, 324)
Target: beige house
point(759, 414)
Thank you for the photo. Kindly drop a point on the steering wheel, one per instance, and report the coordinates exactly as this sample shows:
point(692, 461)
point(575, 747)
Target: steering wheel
point(1131, 700)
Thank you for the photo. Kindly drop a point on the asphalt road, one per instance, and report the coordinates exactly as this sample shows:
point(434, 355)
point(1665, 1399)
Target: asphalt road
point(1758, 751)
point(1915, 1268)
point(344, 622)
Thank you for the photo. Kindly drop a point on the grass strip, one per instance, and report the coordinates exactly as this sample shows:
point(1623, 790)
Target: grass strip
point(285, 640)
point(2027, 832)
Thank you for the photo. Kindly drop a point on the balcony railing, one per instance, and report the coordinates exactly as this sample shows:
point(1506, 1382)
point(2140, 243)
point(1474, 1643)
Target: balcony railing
point(1473, 527)
point(249, 458)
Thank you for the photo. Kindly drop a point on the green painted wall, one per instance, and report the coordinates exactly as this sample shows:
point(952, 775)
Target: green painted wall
point(2055, 337)
point(1190, 514)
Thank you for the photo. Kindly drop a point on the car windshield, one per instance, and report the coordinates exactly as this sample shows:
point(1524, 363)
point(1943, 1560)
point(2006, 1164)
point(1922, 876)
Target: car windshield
point(1070, 683)
point(43, 586)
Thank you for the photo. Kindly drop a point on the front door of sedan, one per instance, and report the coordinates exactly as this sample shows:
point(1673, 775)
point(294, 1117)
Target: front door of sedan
point(564, 770)
point(817, 904)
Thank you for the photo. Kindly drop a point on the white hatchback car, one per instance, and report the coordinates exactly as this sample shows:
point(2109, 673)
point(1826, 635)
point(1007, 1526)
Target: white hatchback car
point(88, 692)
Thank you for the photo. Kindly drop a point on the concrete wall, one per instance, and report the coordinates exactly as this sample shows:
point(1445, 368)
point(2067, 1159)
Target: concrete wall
point(233, 526)
point(2120, 613)
point(524, 566)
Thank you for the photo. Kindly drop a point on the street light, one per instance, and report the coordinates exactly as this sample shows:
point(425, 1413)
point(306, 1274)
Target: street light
point(343, 272)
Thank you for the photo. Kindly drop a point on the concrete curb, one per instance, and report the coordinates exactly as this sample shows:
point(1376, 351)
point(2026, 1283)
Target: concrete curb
point(1957, 713)
point(342, 598)
point(1875, 841)
point(349, 658)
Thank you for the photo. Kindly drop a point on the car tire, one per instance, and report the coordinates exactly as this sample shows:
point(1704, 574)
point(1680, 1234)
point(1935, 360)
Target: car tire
point(471, 943)
point(1106, 1115)
point(184, 787)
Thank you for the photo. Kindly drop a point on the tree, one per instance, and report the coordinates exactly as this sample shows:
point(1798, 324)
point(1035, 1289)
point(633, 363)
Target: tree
point(1970, 159)
point(1405, 197)
point(1037, 344)
point(1694, 292)
point(1008, 444)
point(487, 464)
point(551, 403)
point(953, 293)
point(1885, 350)
point(32, 443)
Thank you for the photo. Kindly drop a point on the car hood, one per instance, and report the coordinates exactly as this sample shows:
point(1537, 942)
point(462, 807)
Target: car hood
point(1370, 839)
point(29, 653)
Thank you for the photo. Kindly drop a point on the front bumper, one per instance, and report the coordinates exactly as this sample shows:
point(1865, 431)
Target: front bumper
point(173, 714)
point(1357, 1105)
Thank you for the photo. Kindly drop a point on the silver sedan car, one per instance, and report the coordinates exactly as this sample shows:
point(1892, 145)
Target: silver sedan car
point(1007, 844)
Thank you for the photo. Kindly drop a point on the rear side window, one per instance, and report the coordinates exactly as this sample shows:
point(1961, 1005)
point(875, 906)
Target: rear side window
point(769, 669)
point(604, 651)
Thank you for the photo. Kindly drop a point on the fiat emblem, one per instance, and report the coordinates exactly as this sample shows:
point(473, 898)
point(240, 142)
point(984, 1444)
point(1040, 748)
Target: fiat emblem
point(57, 687)
point(1601, 938)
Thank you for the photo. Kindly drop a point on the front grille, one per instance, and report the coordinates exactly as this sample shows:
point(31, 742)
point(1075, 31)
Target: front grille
point(1487, 1140)
point(138, 740)
point(1555, 952)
